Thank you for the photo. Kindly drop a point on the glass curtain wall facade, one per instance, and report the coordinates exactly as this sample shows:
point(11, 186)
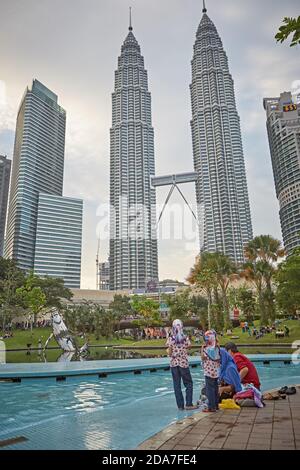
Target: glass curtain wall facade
point(38, 166)
point(5, 166)
point(59, 238)
point(283, 126)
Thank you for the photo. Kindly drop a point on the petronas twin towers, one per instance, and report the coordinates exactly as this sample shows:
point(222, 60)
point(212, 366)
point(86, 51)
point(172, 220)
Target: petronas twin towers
point(221, 186)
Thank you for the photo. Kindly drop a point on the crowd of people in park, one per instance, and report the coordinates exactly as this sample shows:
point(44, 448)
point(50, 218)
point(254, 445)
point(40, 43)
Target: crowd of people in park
point(276, 329)
point(228, 373)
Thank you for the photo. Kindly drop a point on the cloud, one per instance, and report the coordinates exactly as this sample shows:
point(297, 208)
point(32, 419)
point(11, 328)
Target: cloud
point(7, 110)
point(87, 158)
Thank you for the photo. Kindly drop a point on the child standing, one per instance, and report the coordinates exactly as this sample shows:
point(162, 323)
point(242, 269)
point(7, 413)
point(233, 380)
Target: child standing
point(178, 345)
point(211, 360)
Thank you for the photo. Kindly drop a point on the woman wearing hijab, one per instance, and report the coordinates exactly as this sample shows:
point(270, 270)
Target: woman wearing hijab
point(210, 355)
point(178, 345)
point(230, 382)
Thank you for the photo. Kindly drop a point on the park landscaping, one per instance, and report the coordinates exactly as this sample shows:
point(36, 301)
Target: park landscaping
point(21, 338)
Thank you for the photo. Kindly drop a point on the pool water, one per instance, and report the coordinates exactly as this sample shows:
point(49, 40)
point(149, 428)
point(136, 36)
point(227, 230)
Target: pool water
point(117, 412)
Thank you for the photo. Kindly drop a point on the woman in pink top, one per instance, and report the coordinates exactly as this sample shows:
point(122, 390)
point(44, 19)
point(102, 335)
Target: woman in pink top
point(178, 345)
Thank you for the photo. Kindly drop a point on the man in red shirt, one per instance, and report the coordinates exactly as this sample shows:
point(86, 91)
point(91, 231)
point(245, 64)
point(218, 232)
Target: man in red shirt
point(246, 368)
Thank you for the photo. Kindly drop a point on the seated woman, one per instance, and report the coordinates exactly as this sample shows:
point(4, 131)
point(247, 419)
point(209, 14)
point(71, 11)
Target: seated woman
point(230, 382)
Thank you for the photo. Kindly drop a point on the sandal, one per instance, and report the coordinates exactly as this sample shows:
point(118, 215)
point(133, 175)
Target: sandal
point(209, 411)
point(192, 407)
point(291, 391)
point(272, 396)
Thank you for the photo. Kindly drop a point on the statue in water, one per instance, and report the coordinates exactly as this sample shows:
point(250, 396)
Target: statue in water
point(62, 336)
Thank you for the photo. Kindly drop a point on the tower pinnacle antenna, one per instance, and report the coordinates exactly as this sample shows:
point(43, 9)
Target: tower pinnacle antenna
point(130, 22)
point(204, 7)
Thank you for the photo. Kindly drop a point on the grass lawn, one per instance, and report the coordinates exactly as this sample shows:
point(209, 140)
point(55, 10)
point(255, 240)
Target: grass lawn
point(243, 338)
point(21, 338)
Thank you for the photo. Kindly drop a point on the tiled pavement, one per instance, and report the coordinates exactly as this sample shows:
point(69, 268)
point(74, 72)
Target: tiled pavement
point(275, 427)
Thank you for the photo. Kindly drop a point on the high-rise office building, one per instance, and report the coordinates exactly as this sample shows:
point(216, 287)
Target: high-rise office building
point(283, 125)
point(58, 238)
point(38, 166)
point(133, 244)
point(5, 166)
point(37, 169)
point(221, 188)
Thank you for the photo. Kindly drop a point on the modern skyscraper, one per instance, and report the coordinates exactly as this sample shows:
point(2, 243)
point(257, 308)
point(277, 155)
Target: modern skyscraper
point(37, 170)
point(38, 166)
point(283, 125)
point(58, 238)
point(5, 166)
point(221, 189)
point(133, 244)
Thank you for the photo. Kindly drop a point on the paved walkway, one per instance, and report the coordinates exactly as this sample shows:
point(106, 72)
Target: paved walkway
point(275, 427)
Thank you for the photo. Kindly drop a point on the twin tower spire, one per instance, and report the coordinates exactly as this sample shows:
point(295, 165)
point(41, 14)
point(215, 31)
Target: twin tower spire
point(204, 10)
point(221, 187)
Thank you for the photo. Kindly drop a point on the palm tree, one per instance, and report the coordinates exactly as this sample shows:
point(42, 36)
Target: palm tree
point(262, 254)
point(264, 248)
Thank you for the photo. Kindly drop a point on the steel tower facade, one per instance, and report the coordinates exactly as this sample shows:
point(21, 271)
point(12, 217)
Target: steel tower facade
point(133, 243)
point(221, 187)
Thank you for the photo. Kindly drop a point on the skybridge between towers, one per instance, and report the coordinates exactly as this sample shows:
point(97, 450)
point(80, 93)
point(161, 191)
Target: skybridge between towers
point(174, 181)
point(171, 180)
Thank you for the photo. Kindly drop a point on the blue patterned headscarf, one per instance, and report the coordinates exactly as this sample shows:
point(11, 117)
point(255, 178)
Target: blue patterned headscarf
point(177, 332)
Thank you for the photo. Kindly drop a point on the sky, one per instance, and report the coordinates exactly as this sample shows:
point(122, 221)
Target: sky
point(72, 47)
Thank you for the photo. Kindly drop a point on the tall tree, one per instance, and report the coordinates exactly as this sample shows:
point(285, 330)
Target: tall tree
point(32, 298)
point(179, 304)
point(53, 288)
point(121, 306)
point(11, 278)
point(148, 310)
point(244, 298)
point(199, 308)
point(288, 283)
point(212, 273)
point(204, 279)
point(262, 254)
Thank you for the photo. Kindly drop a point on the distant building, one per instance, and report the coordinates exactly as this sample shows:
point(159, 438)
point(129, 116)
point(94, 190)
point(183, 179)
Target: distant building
point(59, 238)
point(133, 241)
point(37, 174)
point(104, 275)
point(5, 166)
point(171, 283)
point(221, 188)
point(103, 298)
point(283, 125)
